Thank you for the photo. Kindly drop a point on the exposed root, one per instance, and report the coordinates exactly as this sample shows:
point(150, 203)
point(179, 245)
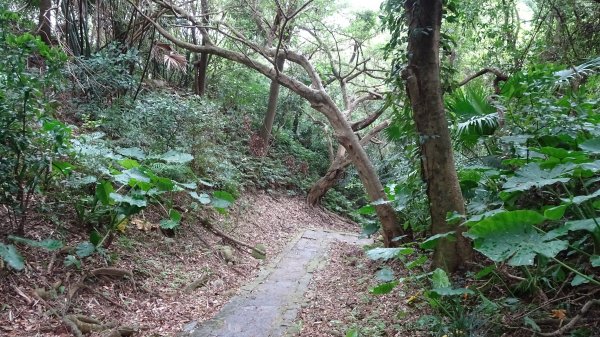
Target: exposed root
point(586, 307)
point(201, 282)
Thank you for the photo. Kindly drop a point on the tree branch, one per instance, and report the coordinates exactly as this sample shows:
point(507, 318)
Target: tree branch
point(500, 77)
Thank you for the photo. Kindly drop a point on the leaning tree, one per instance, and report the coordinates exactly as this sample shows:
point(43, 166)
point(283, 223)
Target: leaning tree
point(246, 51)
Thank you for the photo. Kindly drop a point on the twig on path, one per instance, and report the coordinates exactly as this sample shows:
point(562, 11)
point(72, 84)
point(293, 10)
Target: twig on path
point(22, 294)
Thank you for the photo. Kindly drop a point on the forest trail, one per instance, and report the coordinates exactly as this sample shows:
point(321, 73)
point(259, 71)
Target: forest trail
point(268, 306)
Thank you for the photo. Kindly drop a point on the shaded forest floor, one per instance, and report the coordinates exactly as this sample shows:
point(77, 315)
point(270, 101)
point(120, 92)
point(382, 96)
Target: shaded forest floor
point(155, 284)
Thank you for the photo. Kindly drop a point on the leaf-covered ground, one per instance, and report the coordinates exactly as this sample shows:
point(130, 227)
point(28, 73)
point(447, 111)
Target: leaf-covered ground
point(155, 300)
point(339, 302)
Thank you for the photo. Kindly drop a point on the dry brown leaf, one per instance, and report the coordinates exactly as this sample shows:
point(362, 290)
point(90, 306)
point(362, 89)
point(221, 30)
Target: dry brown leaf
point(559, 314)
point(143, 224)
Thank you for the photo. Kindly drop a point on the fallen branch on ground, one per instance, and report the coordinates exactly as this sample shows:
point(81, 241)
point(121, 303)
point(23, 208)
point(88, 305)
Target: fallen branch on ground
point(206, 224)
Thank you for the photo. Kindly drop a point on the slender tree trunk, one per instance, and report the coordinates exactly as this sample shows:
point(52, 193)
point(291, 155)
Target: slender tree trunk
point(44, 29)
point(200, 82)
point(267, 125)
point(390, 225)
point(422, 77)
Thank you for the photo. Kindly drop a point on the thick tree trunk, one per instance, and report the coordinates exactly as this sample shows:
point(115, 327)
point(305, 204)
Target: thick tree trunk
point(267, 125)
point(334, 173)
point(44, 29)
point(422, 77)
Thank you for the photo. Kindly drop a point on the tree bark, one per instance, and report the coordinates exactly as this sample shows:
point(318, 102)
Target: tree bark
point(390, 225)
point(44, 29)
point(267, 125)
point(202, 65)
point(338, 166)
point(422, 76)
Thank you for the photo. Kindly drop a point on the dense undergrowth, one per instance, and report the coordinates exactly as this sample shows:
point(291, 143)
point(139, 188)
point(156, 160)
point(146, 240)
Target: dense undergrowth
point(85, 143)
point(82, 139)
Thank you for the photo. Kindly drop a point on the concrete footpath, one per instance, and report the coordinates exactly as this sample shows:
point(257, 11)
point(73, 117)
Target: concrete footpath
point(268, 306)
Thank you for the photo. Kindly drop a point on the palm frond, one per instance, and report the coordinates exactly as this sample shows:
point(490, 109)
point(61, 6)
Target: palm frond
point(583, 70)
point(474, 116)
point(163, 52)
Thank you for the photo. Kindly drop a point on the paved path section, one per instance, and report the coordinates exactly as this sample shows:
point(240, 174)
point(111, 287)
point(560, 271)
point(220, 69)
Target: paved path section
point(268, 306)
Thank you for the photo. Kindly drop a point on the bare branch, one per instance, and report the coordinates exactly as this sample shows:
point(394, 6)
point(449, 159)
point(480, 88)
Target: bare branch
point(365, 122)
point(314, 96)
point(500, 76)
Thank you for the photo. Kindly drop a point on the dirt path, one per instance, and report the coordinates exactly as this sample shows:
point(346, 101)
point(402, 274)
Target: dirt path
point(268, 306)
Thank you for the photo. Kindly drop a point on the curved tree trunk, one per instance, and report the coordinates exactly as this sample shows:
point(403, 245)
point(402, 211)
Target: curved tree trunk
point(334, 173)
point(368, 175)
point(338, 166)
point(422, 76)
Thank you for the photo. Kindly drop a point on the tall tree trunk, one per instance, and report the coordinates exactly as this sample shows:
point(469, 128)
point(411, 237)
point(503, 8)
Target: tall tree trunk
point(422, 76)
point(44, 28)
point(202, 65)
point(267, 125)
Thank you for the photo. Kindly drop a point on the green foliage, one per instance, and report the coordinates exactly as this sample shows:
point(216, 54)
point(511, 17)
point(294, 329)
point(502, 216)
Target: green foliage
point(105, 74)
point(10, 254)
point(510, 236)
point(32, 141)
point(475, 117)
point(47, 244)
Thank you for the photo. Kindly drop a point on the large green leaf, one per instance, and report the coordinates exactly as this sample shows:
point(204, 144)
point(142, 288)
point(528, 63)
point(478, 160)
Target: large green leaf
point(128, 200)
point(384, 288)
point(103, 191)
point(511, 236)
point(439, 279)
point(175, 157)
point(583, 198)
point(222, 199)
point(10, 254)
point(452, 291)
point(591, 146)
point(590, 225)
point(556, 213)
point(432, 241)
point(385, 274)
point(202, 198)
point(85, 249)
point(531, 175)
point(388, 253)
point(132, 152)
point(47, 244)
